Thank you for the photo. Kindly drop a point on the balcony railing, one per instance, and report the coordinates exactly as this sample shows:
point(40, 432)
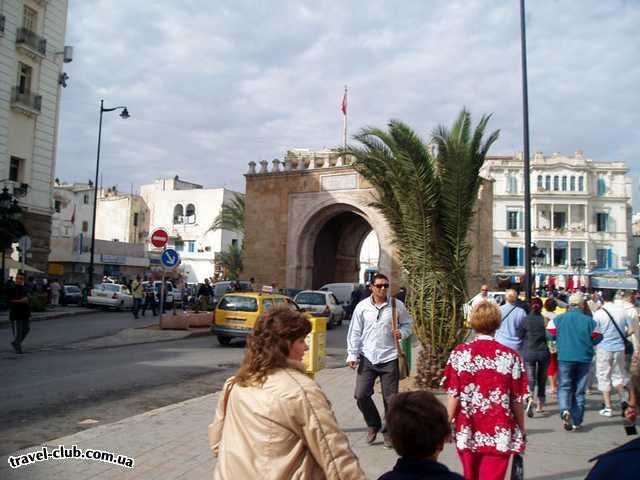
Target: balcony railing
point(26, 99)
point(31, 40)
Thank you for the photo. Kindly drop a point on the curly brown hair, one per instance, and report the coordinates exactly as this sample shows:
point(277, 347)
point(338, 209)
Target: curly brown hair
point(269, 343)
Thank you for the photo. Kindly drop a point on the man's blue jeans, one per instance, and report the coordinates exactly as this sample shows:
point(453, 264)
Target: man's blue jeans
point(572, 380)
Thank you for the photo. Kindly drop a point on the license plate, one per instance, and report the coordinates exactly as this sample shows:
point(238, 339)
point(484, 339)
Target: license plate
point(237, 321)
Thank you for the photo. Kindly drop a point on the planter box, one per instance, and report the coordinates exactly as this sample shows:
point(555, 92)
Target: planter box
point(200, 319)
point(184, 320)
point(168, 321)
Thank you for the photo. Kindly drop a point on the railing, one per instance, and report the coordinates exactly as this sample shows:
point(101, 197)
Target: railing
point(32, 40)
point(27, 99)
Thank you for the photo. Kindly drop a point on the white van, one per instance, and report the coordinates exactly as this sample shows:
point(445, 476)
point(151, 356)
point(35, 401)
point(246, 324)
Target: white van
point(343, 292)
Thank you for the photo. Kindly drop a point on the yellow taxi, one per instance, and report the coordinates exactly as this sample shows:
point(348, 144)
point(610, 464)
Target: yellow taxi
point(237, 313)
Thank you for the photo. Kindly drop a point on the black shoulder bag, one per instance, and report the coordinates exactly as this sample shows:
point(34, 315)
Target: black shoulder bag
point(628, 346)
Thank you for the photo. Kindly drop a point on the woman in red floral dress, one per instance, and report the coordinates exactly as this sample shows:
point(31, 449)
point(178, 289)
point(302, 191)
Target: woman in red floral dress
point(486, 383)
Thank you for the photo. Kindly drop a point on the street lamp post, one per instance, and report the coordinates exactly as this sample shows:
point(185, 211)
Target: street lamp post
point(124, 115)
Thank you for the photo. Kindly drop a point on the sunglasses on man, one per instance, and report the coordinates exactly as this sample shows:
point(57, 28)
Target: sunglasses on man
point(381, 285)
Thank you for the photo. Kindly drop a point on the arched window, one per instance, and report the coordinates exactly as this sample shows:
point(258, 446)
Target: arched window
point(572, 183)
point(547, 183)
point(540, 182)
point(556, 183)
point(190, 214)
point(178, 214)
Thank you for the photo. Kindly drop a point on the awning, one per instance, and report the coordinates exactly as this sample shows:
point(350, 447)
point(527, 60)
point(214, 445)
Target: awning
point(10, 263)
point(614, 283)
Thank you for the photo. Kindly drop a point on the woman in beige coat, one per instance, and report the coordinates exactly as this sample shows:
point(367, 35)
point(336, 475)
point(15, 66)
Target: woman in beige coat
point(274, 422)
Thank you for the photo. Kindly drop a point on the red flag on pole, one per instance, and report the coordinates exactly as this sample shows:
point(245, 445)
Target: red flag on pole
point(344, 102)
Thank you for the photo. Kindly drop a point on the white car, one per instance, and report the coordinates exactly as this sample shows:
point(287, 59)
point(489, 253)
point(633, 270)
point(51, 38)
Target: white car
point(110, 295)
point(321, 304)
point(495, 297)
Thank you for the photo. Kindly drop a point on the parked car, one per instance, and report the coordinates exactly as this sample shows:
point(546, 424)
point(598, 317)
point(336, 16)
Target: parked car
point(222, 288)
point(110, 295)
point(168, 292)
point(321, 304)
point(344, 292)
point(70, 295)
point(290, 292)
point(237, 313)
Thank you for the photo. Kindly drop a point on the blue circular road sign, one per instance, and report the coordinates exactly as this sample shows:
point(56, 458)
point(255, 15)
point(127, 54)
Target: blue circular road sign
point(169, 258)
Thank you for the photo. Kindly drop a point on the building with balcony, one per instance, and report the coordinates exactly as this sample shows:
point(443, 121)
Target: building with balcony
point(580, 218)
point(186, 211)
point(32, 49)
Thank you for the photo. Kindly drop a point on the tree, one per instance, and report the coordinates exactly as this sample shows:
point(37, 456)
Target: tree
point(231, 261)
point(231, 216)
point(427, 194)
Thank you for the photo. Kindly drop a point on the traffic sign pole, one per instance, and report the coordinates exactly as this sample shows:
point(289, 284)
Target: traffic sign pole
point(162, 290)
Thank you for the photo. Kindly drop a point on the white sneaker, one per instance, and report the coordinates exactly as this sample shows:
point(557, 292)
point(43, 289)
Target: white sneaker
point(606, 412)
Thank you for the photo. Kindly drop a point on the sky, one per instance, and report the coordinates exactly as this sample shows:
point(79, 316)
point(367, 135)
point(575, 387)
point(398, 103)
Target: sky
point(211, 86)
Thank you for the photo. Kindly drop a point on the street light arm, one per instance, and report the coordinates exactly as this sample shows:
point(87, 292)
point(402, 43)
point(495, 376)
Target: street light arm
point(102, 109)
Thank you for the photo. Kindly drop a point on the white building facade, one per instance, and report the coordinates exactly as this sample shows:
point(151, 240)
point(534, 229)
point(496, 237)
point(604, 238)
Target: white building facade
point(32, 54)
point(186, 211)
point(580, 218)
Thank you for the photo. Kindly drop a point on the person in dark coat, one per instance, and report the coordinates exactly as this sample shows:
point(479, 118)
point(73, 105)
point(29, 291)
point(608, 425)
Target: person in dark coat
point(19, 311)
point(535, 353)
point(623, 462)
point(419, 428)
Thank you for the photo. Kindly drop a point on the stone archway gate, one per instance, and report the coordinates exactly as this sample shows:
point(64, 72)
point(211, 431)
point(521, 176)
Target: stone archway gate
point(288, 205)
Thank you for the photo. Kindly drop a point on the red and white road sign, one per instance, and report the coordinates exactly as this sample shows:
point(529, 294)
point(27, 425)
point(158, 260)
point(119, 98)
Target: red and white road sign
point(159, 237)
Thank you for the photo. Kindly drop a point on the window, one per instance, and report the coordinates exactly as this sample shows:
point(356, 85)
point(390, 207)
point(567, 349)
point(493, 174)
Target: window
point(85, 199)
point(14, 169)
point(572, 183)
point(547, 183)
point(556, 183)
point(602, 222)
point(135, 219)
point(604, 258)
point(234, 242)
point(513, 256)
point(178, 214)
point(512, 184)
point(25, 73)
point(514, 220)
point(540, 182)
point(179, 246)
point(564, 183)
point(85, 227)
point(576, 254)
point(56, 206)
point(559, 220)
point(190, 214)
point(602, 187)
point(29, 19)
point(559, 254)
point(581, 184)
point(191, 246)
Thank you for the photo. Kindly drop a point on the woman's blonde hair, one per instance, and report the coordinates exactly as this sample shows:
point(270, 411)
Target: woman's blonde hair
point(485, 318)
point(269, 344)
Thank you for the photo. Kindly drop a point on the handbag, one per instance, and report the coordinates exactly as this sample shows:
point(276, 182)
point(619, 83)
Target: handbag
point(517, 467)
point(628, 346)
point(403, 364)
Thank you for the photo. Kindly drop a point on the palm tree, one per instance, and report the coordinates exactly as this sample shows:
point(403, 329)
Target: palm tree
point(427, 194)
point(231, 260)
point(231, 216)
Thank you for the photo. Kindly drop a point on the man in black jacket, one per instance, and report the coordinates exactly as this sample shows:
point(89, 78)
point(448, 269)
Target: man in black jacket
point(19, 311)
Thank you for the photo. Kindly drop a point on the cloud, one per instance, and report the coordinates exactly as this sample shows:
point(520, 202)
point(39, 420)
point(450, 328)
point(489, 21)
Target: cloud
point(212, 86)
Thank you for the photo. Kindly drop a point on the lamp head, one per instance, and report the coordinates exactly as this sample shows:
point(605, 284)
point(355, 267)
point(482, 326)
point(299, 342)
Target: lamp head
point(125, 114)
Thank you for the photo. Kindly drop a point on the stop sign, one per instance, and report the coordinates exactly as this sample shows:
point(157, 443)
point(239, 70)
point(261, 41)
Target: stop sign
point(159, 238)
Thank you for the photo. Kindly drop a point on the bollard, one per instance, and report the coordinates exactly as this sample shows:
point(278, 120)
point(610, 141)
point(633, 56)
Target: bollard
point(314, 358)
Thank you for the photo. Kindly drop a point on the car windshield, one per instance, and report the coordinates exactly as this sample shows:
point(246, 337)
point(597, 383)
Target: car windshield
point(235, 303)
point(111, 287)
point(310, 298)
point(72, 289)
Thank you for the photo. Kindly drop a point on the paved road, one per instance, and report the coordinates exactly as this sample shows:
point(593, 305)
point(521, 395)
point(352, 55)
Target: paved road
point(55, 389)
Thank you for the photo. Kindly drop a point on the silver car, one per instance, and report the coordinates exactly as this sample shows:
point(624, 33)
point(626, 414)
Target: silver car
point(321, 304)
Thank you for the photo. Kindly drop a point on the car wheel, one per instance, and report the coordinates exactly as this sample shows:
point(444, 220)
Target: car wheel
point(224, 340)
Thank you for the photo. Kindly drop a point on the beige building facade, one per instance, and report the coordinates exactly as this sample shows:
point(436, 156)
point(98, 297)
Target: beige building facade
point(32, 55)
point(307, 217)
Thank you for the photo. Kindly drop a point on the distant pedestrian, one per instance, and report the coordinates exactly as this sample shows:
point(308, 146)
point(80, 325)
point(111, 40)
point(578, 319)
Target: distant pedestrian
point(629, 299)
point(138, 295)
point(402, 295)
point(371, 348)
point(482, 296)
point(486, 386)
point(549, 314)
point(19, 311)
point(611, 366)
point(536, 355)
point(512, 317)
point(575, 334)
point(55, 292)
point(272, 420)
point(149, 298)
point(419, 428)
point(205, 293)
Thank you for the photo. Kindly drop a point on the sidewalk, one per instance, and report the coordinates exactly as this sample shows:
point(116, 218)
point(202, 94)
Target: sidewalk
point(171, 442)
